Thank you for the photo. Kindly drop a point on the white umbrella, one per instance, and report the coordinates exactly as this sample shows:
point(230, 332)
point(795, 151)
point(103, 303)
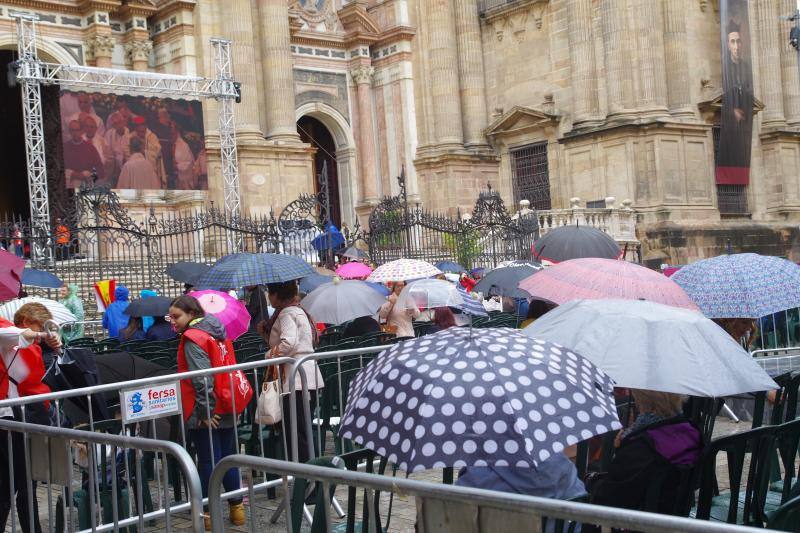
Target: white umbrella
point(645, 345)
point(339, 301)
point(403, 270)
point(429, 294)
point(60, 313)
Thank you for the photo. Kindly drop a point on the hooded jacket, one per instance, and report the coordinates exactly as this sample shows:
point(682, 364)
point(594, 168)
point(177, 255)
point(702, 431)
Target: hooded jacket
point(115, 319)
point(147, 321)
point(197, 359)
point(652, 469)
point(75, 306)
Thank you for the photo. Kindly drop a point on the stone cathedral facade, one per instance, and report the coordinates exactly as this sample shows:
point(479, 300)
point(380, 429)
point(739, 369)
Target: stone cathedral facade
point(595, 103)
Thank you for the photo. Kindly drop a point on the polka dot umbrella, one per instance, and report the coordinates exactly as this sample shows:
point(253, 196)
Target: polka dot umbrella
point(403, 270)
point(491, 397)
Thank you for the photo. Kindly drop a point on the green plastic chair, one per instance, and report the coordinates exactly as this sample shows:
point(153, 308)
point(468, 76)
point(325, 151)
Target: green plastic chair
point(787, 441)
point(561, 525)
point(370, 510)
point(736, 506)
point(786, 517)
point(299, 492)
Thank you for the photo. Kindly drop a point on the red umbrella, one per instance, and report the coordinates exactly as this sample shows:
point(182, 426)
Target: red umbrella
point(11, 268)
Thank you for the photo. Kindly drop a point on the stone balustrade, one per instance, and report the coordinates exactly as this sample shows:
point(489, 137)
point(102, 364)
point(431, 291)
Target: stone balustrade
point(619, 222)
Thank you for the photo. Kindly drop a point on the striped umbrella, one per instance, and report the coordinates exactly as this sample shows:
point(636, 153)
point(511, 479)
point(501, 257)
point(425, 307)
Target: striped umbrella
point(593, 278)
point(248, 269)
point(404, 270)
point(60, 313)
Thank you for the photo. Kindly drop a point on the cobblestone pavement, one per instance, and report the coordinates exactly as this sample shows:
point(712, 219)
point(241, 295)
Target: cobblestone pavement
point(403, 513)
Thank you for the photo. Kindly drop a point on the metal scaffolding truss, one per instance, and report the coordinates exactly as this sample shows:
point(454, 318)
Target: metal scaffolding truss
point(32, 73)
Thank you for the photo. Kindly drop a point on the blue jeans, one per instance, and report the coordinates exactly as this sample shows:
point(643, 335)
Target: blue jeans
point(224, 441)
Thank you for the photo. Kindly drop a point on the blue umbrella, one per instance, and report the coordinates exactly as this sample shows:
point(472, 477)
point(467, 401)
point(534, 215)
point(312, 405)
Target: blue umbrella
point(380, 287)
point(247, 270)
point(309, 283)
point(741, 285)
point(332, 238)
point(40, 278)
point(450, 266)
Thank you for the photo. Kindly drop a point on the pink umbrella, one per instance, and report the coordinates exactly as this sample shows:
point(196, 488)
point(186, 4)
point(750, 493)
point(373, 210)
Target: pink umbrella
point(353, 270)
point(11, 268)
point(228, 310)
point(593, 278)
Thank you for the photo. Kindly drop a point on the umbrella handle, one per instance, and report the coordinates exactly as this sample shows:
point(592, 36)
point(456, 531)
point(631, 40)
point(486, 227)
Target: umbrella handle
point(51, 327)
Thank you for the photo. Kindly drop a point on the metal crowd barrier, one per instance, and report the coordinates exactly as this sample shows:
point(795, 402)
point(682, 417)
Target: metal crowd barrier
point(448, 508)
point(777, 361)
point(48, 457)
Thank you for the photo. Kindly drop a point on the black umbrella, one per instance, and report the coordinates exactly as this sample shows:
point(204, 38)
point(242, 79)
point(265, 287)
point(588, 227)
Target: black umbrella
point(355, 253)
point(504, 281)
point(573, 242)
point(74, 369)
point(187, 271)
point(150, 306)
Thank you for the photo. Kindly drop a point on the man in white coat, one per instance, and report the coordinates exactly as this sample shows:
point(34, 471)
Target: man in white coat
point(138, 172)
point(118, 139)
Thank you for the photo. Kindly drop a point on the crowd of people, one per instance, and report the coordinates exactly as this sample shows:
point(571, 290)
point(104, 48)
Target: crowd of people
point(128, 150)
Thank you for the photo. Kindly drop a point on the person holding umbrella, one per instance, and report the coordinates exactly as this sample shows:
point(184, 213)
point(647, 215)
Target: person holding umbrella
point(398, 319)
point(207, 404)
point(291, 333)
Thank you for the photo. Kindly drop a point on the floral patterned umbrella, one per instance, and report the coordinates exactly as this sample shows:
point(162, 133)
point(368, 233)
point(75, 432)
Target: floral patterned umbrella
point(741, 285)
point(404, 270)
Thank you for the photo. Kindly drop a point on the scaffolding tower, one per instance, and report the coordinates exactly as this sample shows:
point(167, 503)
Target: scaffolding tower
point(32, 73)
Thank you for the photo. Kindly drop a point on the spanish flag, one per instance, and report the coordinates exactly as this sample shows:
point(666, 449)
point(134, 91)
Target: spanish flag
point(104, 293)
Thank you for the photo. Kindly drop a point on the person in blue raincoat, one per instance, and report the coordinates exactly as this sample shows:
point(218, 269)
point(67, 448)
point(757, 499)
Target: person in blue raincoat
point(114, 318)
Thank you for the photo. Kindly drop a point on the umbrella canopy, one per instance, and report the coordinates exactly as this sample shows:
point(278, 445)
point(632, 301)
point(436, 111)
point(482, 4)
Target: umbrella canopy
point(404, 270)
point(341, 301)
point(505, 281)
point(11, 268)
point(450, 266)
point(309, 283)
point(471, 305)
point(491, 397)
point(228, 310)
point(61, 314)
point(149, 306)
point(645, 345)
point(355, 253)
point(741, 285)
point(117, 367)
point(382, 289)
point(353, 270)
point(429, 294)
point(187, 271)
point(40, 278)
point(247, 269)
point(572, 242)
point(331, 239)
point(593, 278)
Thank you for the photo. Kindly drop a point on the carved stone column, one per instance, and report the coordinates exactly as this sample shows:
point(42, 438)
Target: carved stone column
point(444, 73)
point(791, 82)
point(652, 89)
point(276, 59)
point(237, 26)
point(676, 55)
point(769, 47)
point(362, 76)
point(470, 67)
point(138, 53)
point(619, 67)
point(585, 105)
point(99, 49)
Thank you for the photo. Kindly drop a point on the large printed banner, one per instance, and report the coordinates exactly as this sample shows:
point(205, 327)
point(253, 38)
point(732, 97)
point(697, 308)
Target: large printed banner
point(133, 142)
point(733, 162)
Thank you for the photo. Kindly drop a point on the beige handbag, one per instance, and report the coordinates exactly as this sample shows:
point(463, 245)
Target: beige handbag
point(269, 410)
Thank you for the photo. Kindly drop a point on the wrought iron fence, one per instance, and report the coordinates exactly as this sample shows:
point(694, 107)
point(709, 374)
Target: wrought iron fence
point(484, 238)
point(95, 238)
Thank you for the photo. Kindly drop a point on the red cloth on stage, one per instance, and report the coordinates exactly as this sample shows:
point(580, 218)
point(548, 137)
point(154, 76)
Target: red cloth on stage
point(83, 156)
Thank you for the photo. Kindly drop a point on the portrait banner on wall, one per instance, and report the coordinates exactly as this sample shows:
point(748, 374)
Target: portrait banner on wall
point(133, 142)
point(736, 127)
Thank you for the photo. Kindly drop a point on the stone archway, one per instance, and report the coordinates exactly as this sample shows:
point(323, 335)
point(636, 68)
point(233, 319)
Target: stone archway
point(346, 168)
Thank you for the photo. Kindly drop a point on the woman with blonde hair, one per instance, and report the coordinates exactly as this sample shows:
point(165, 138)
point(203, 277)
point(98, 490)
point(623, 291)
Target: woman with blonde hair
point(660, 446)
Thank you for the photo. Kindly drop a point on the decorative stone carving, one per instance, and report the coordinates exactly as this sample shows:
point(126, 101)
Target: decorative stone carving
point(703, 5)
point(138, 50)
point(314, 12)
point(99, 46)
point(363, 75)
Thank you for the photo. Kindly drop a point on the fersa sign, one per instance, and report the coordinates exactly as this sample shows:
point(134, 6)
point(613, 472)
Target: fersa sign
point(144, 403)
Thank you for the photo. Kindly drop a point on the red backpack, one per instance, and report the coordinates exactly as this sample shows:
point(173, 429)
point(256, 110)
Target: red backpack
point(221, 354)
